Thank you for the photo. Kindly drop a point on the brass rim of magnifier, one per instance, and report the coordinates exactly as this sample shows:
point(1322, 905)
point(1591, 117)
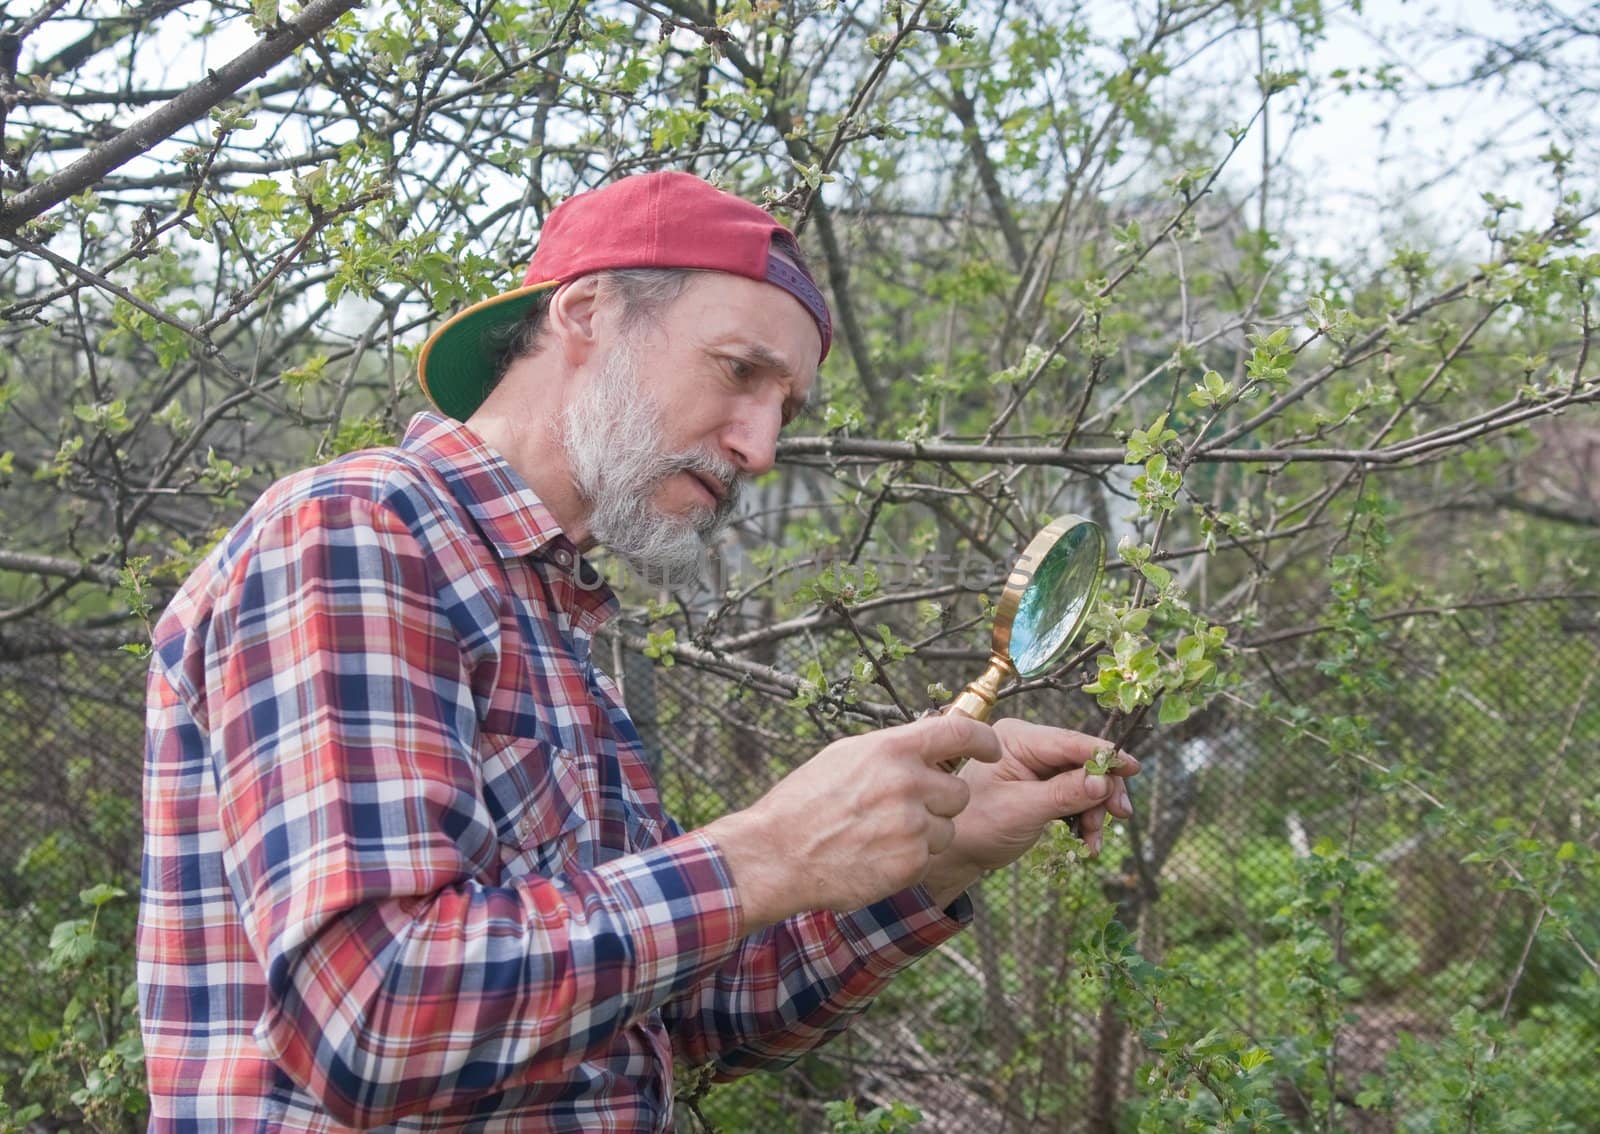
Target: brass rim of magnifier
point(977, 699)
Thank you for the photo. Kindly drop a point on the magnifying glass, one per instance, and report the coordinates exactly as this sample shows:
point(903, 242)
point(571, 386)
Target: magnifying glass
point(1041, 610)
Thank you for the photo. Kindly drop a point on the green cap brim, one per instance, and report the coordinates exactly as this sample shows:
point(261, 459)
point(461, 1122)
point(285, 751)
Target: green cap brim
point(457, 363)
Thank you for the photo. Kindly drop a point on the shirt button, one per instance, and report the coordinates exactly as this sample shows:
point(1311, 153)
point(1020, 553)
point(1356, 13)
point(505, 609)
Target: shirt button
point(525, 826)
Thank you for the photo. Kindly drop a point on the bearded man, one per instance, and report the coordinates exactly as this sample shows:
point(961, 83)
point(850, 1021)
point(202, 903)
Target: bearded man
point(404, 863)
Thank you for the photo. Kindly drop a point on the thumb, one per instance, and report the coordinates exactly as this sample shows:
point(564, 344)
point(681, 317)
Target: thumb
point(1072, 793)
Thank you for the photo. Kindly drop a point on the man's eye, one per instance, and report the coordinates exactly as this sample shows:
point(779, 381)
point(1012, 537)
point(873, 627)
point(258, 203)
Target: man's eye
point(740, 368)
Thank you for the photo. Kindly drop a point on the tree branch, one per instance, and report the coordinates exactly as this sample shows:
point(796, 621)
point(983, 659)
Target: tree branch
point(55, 567)
point(267, 52)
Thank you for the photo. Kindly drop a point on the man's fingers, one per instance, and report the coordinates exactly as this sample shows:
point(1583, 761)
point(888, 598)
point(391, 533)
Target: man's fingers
point(1046, 751)
point(1110, 792)
point(949, 736)
point(1091, 828)
point(947, 796)
point(1076, 793)
point(941, 833)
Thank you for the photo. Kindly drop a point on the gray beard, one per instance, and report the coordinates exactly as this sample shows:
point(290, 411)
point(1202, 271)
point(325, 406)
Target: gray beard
point(612, 434)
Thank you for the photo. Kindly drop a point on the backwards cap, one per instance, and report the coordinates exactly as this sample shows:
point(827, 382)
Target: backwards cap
point(653, 220)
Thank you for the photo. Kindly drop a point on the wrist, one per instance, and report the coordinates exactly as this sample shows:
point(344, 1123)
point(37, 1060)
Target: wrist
point(761, 876)
point(947, 880)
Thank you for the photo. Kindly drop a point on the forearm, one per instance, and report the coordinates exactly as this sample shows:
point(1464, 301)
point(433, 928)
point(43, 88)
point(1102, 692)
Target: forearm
point(770, 884)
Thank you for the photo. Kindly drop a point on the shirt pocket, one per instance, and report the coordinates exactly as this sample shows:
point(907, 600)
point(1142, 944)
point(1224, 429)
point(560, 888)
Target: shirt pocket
point(620, 826)
point(628, 826)
point(643, 831)
point(536, 803)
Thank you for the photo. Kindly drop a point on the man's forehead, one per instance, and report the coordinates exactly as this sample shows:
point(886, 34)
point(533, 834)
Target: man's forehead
point(761, 323)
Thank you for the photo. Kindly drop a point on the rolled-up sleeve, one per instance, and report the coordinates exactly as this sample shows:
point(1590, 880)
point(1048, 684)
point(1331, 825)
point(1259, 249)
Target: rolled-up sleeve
point(360, 852)
point(793, 986)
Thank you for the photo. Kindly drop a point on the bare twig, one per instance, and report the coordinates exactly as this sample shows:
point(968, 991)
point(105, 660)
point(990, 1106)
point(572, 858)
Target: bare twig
point(267, 52)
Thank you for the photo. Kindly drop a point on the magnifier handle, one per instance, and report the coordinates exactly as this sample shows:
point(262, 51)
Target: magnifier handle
point(977, 699)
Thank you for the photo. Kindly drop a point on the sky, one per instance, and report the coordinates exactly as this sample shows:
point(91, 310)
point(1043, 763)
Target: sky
point(1368, 165)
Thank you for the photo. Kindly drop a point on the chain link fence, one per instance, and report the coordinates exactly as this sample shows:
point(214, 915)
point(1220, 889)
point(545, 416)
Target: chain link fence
point(1002, 1029)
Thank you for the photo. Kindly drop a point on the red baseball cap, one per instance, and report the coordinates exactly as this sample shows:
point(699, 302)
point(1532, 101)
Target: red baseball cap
point(653, 220)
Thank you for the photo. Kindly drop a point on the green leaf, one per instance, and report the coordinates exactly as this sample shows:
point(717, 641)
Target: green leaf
point(1144, 442)
point(1174, 708)
point(1255, 1057)
point(98, 895)
point(41, 1039)
point(812, 173)
point(306, 373)
point(659, 645)
point(1158, 575)
point(71, 944)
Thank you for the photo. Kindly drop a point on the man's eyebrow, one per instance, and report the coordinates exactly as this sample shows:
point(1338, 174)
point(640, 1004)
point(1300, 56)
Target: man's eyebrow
point(765, 357)
point(769, 359)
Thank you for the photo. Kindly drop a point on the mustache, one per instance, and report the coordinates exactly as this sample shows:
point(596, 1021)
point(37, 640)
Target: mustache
point(723, 471)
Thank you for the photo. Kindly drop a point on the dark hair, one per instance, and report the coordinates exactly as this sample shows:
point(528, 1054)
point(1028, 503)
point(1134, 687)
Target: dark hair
point(508, 343)
point(643, 293)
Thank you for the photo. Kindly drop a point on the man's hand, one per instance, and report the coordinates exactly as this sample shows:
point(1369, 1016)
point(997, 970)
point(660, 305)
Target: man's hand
point(1040, 778)
point(857, 822)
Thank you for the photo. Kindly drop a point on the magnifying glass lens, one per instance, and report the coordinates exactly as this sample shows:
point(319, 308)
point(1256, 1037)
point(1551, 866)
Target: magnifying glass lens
point(1052, 607)
point(1040, 610)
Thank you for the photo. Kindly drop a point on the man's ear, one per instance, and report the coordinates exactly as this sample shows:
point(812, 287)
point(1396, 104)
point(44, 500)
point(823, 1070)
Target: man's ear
point(570, 319)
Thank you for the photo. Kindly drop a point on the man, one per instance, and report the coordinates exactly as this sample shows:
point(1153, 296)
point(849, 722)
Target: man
point(404, 863)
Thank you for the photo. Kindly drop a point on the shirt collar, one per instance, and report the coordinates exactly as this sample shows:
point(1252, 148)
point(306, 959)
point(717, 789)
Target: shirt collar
point(512, 517)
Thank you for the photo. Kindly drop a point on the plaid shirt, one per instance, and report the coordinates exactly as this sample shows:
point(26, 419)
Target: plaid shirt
point(403, 863)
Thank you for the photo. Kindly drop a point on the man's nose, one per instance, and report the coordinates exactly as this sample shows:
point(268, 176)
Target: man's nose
point(751, 442)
